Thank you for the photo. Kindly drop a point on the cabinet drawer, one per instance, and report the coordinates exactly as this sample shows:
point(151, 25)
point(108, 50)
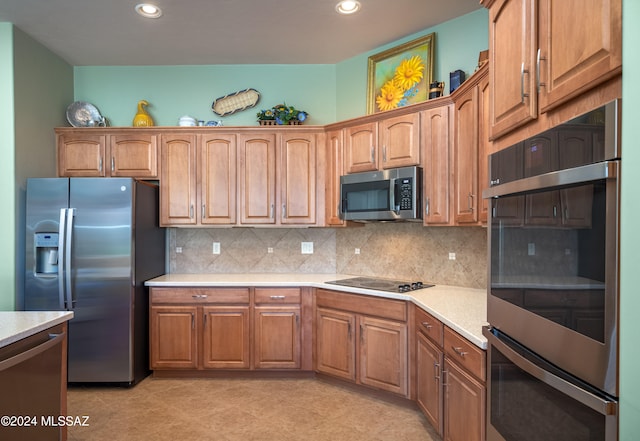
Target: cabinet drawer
point(430, 326)
point(200, 295)
point(277, 295)
point(374, 306)
point(464, 353)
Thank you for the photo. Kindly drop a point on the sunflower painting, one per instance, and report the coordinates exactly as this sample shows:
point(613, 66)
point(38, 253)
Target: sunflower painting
point(400, 76)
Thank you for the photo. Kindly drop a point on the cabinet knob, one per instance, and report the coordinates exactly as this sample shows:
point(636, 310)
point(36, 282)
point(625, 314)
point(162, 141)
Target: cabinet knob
point(427, 325)
point(458, 351)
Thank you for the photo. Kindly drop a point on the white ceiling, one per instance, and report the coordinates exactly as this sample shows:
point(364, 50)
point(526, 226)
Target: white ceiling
point(109, 32)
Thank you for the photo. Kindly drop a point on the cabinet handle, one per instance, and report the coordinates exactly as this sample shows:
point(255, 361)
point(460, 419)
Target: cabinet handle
point(203, 210)
point(373, 154)
point(284, 211)
point(426, 206)
point(555, 211)
point(494, 181)
point(200, 296)
point(272, 211)
point(297, 320)
point(361, 333)
point(113, 164)
point(522, 72)
point(384, 153)
point(349, 330)
point(277, 297)
point(436, 368)
point(458, 351)
point(444, 381)
point(191, 211)
point(100, 165)
point(470, 200)
point(427, 325)
point(538, 82)
point(193, 321)
point(204, 321)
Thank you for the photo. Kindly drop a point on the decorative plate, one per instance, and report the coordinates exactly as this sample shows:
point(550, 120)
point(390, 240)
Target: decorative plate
point(234, 102)
point(83, 114)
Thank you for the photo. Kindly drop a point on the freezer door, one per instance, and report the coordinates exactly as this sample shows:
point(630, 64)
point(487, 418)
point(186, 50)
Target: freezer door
point(43, 260)
point(101, 261)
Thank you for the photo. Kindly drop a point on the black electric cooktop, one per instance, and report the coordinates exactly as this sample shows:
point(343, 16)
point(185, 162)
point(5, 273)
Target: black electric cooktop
point(381, 284)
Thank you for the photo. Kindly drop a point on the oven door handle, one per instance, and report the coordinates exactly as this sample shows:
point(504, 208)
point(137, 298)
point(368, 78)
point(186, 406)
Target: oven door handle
point(577, 175)
point(599, 404)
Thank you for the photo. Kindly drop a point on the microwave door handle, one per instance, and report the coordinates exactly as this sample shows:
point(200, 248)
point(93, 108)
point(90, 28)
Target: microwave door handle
point(600, 405)
point(394, 195)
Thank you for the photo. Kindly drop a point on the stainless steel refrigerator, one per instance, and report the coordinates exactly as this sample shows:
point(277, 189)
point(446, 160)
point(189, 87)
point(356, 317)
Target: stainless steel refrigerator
point(90, 245)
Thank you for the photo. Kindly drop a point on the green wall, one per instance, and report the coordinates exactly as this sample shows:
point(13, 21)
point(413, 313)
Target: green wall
point(629, 228)
point(458, 43)
point(328, 92)
point(7, 152)
point(35, 88)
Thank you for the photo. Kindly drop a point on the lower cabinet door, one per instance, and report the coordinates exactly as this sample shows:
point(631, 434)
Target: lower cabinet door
point(226, 337)
point(429, 359)
point(277, 337)
point(173, 337)
point(383, 354)
point(335, 343)
point(464, 405)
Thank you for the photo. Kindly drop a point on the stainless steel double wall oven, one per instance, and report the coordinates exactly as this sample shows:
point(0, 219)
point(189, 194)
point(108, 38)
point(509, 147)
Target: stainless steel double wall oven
point(553, 276)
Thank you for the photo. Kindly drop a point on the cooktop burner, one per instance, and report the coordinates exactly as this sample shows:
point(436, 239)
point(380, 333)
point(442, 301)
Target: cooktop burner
point(381, 284)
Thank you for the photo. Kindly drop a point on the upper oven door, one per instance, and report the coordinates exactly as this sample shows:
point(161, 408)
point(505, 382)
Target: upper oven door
point(553, 271)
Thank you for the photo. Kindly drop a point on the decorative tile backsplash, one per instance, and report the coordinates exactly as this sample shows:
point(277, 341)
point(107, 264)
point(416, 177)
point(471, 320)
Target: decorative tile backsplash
point(395, 250)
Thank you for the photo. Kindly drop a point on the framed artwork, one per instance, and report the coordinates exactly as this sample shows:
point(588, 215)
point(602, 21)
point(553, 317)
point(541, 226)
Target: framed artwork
point(401, 75)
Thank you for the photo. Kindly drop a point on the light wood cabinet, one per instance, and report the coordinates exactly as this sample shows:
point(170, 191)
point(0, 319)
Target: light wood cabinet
point(277, 336)
point(278, 183)
point(399, 139)
point(217, 193)
point(178, 178)
point(465, 157)
point(538, 62)
point(199, 328)
point(225, 337)
point(173, 337)
point(450, 380)
point(388, 143)
point(297, 173)
point(100, 153)
point(361, 148)
point(335, 169)
point(362, 340)
point(436, 142)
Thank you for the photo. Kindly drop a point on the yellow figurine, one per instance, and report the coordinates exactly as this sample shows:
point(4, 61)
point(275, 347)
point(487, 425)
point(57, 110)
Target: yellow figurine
point(142, 118)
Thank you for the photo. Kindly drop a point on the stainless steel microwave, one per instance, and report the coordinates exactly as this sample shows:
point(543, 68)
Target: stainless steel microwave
point(385, 195)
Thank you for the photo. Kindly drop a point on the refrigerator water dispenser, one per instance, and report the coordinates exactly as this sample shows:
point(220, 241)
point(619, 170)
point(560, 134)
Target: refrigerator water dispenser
point(46, 253)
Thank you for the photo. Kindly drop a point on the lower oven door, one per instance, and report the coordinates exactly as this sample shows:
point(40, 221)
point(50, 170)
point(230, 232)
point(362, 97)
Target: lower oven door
point(532, 400)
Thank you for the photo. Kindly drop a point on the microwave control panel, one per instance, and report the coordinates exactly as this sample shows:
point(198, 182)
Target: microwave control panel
point(406, 194)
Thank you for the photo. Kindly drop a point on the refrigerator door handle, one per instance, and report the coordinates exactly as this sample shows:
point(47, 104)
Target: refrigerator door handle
point(67, 252)
point(62, 259)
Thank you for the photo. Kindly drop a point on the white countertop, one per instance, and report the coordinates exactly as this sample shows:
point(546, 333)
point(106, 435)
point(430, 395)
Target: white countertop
point(462, 309)
point(16, 325)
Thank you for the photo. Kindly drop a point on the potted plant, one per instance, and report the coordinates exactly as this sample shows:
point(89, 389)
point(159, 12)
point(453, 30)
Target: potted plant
point(282, 114)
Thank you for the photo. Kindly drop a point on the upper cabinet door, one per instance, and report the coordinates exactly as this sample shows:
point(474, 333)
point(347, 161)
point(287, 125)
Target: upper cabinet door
point(335, 167)
point(134, 155)
point(178, 179)
point(436, 138)
point(81, 154)
point(400, 140)
point(298, 179)
point(217, 188)
point(580, 47)
point(257, 178)
point(360, 148)
point(512, 45)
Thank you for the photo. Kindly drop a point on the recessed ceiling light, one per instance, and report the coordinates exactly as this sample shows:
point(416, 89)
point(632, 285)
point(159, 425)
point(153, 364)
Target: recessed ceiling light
point(348, 6)
point(148, 10)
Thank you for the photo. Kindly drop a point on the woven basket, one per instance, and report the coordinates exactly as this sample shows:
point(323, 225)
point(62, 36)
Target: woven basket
point(267, 122)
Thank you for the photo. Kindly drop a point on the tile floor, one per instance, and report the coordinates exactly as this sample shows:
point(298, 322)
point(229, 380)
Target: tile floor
point(242, 409)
